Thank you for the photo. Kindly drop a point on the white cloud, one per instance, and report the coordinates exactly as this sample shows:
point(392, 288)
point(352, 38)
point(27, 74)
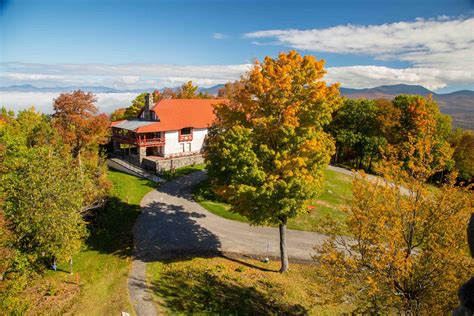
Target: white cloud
point(43, 101)
point(372, 76)
point(441, 43)
point(219, 36)
point(141, 76)
point(122, 76)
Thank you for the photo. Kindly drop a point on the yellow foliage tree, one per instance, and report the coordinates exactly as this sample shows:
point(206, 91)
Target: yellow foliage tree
point(407, 251)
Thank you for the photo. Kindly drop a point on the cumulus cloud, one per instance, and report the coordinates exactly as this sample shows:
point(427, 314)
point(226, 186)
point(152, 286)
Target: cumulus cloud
point(43, 101)
point(440, 43)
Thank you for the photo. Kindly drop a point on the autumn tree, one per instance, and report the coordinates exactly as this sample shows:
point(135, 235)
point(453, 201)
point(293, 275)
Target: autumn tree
point(187, 91)
point(118, 115)
point(462, 142)
point(78, 121)
point(168, 93)
point(83, 129)
point(407, 251)
point(388, 116)
point(229, 90)
point(267, 151)
point(422, 144)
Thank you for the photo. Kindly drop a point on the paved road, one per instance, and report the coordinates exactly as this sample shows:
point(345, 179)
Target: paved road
point(171, 222)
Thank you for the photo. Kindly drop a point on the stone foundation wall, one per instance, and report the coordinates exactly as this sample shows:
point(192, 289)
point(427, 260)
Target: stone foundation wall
point(172, 163)
point(148, 165)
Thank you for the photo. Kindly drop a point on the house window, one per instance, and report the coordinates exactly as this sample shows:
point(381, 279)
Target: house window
point(186, 131)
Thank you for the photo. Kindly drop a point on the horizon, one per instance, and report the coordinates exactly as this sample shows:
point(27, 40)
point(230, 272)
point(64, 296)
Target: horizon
point(142, 44)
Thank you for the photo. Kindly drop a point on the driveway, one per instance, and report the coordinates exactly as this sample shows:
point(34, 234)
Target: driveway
point(172, 223)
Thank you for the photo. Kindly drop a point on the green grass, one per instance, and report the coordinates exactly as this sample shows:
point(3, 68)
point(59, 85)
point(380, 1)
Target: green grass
point(104, 264)
point(335, 194)
point(233, 286)
point(179, 172)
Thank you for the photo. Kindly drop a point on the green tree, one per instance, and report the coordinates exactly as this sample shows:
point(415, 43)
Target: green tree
point(267, 152)
point(43, 201)
point(356, 128)
point(41, 195)
point(137, 105)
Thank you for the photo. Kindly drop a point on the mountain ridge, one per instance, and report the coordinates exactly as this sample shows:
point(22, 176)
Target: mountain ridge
point(459, 104)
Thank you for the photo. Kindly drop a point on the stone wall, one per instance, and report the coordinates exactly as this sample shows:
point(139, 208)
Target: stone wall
point(171, 163)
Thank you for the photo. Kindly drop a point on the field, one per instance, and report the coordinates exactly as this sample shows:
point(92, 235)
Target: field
point(335, 194)
point(236, 286)
point(102, 267)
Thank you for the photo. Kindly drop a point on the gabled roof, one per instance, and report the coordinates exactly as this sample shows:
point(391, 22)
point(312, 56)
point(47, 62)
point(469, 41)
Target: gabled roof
point(175, 114)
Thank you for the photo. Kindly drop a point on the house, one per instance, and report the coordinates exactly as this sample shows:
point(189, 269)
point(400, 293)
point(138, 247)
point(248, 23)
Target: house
point(167, 134)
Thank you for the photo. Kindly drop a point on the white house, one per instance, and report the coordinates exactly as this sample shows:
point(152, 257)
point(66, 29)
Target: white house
point(170, 133)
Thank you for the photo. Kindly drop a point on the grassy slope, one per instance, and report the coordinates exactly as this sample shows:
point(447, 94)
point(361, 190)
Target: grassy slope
point(235, 286)
point(103, 266)
point(335, 194)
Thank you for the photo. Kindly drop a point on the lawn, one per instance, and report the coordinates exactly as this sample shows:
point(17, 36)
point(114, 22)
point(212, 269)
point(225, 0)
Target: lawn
point(102, 266)
point(235, 286)
point(179, 172)
point(335, 194)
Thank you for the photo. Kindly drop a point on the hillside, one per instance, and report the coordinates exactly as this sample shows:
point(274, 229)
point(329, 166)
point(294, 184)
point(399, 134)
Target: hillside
point(458, 104)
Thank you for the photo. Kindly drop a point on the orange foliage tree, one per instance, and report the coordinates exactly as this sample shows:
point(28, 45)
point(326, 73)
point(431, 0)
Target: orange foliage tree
point(78, 121)
point(267, 152)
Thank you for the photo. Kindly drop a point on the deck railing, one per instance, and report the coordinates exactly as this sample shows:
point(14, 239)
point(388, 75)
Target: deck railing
point(141, 141)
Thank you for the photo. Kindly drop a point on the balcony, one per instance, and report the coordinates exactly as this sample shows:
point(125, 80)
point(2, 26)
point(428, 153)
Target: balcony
point(139, 140)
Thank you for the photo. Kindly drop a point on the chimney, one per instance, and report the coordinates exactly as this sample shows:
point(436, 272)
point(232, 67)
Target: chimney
point(147, 107)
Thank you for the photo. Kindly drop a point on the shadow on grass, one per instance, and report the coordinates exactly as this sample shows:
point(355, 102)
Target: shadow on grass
point(111, 228)
point(201, 291)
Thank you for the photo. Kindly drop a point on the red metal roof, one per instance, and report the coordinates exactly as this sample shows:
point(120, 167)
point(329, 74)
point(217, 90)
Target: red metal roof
point(175, 114)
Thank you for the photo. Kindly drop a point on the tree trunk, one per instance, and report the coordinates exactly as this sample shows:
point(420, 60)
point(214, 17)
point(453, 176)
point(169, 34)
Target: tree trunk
point(283, 250)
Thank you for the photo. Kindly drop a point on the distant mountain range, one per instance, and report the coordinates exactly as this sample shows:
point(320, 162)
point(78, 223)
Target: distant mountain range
point(94, 89)
point(458, 104)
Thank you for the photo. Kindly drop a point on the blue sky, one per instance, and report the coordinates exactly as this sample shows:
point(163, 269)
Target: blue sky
point(134, 44)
